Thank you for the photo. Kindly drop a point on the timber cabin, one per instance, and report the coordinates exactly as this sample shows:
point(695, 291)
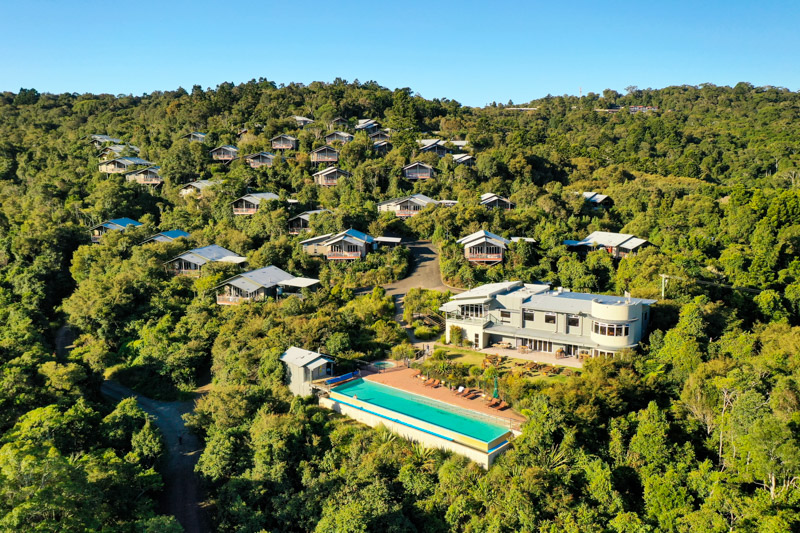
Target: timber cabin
point(367, 124)
point(258, 285)
point(329, 177)
point(484, 247)
point(619, 245)
point(345, 246)
point(115, 224)
point(122, 164)
point(146, 176)
point(379, 136)
point(338, 136)
point(191, 263)
point(495, 201)
point(116, 150)
point(417, 171)
point(339, 122)
point(302, 122)
point(195, 137)
point(463, 159)
point(196, 187)
point(249, 203)
point(260, 159)
point(407, 206)
point(324, 154)
point(167, 236)
point(435, 146)
point(382, 147)
point(301, 222)
point(595, 200)
point(225, 153)
point(99, 140)
point(284, 142)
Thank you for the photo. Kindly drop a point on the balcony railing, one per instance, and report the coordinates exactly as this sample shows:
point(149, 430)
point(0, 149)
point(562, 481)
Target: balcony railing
point(407, 213)
point(96, 238)
point(218, 157)
point(343, 255)
point(190, 273)
point(283, 145)
point(245, 210)
point(231, 300)
point(324, 158)
point(484, 257)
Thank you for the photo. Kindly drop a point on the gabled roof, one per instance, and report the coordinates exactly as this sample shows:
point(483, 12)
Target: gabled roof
point(194, 133)
point(420, 199)
point(199, 184)
point(283, 136)
point(428, 143)
point(105, 138)
point(224, 147)
point(209, 254)
point(258, 197)
point(262, 154)
point(381, 144)
point(595, 197)
point(461, 158)
point(417, 164)
point(353, 234)
point(525, 239)
point(166, 236)
point(302, 358)
point(306, 215)
point(299, 119)
point(609, 240)
point(340, 133)
point(318, 239)
point(331, 170)
point(119, 148)
point(489, 197)
point(483, 236)
point(118, 223)
point(127, 161)
point(323, 148)
point(262, 278)
point(154, 168)
point(364, 123)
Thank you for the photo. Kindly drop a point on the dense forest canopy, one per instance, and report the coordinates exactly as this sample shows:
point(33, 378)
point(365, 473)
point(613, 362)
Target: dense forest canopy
point(696, 430)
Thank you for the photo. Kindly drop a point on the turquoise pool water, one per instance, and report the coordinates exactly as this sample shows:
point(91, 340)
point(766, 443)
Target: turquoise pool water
point(383, 364)
point(431, 411)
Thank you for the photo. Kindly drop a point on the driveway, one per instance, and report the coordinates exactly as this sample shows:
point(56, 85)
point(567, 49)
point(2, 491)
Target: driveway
point(182, 496)
point(424, 274)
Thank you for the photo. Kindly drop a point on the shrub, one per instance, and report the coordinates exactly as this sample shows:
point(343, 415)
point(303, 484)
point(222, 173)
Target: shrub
point(425, 332)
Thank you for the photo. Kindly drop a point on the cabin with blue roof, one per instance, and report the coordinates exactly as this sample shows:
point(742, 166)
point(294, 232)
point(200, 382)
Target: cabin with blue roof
point(167, 236)
point(122, 164)
point(224, 153)
point(191, 263)
point(115, 224)
point(258, 285)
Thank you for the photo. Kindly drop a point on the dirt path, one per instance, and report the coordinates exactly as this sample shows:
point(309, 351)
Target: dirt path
point(425, 274)
point(182, 495)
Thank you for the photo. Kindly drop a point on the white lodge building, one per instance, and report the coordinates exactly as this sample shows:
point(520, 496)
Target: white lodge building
point(546, 320)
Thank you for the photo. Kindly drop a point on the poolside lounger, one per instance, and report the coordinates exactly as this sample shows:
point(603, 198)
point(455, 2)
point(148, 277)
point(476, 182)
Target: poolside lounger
point(501, 406)
point(495, 401)
point(460, 391)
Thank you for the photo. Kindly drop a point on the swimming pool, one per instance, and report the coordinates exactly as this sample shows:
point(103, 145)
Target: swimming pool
point(426, 411)
point(383, 365)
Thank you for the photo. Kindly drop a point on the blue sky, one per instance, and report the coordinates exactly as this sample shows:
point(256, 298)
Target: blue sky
point(473, 52)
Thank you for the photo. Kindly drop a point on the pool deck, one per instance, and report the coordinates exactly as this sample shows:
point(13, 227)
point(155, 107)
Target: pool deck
point(404, 380)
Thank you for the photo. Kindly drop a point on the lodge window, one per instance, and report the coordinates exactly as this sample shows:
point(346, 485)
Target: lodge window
point(549, 318)
point(574, 321)
point(611, 330)
point(352, 248)
point(527, 316)
point(505, 314)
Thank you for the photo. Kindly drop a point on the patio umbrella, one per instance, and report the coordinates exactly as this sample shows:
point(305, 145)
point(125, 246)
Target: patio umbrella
point(496, 393)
